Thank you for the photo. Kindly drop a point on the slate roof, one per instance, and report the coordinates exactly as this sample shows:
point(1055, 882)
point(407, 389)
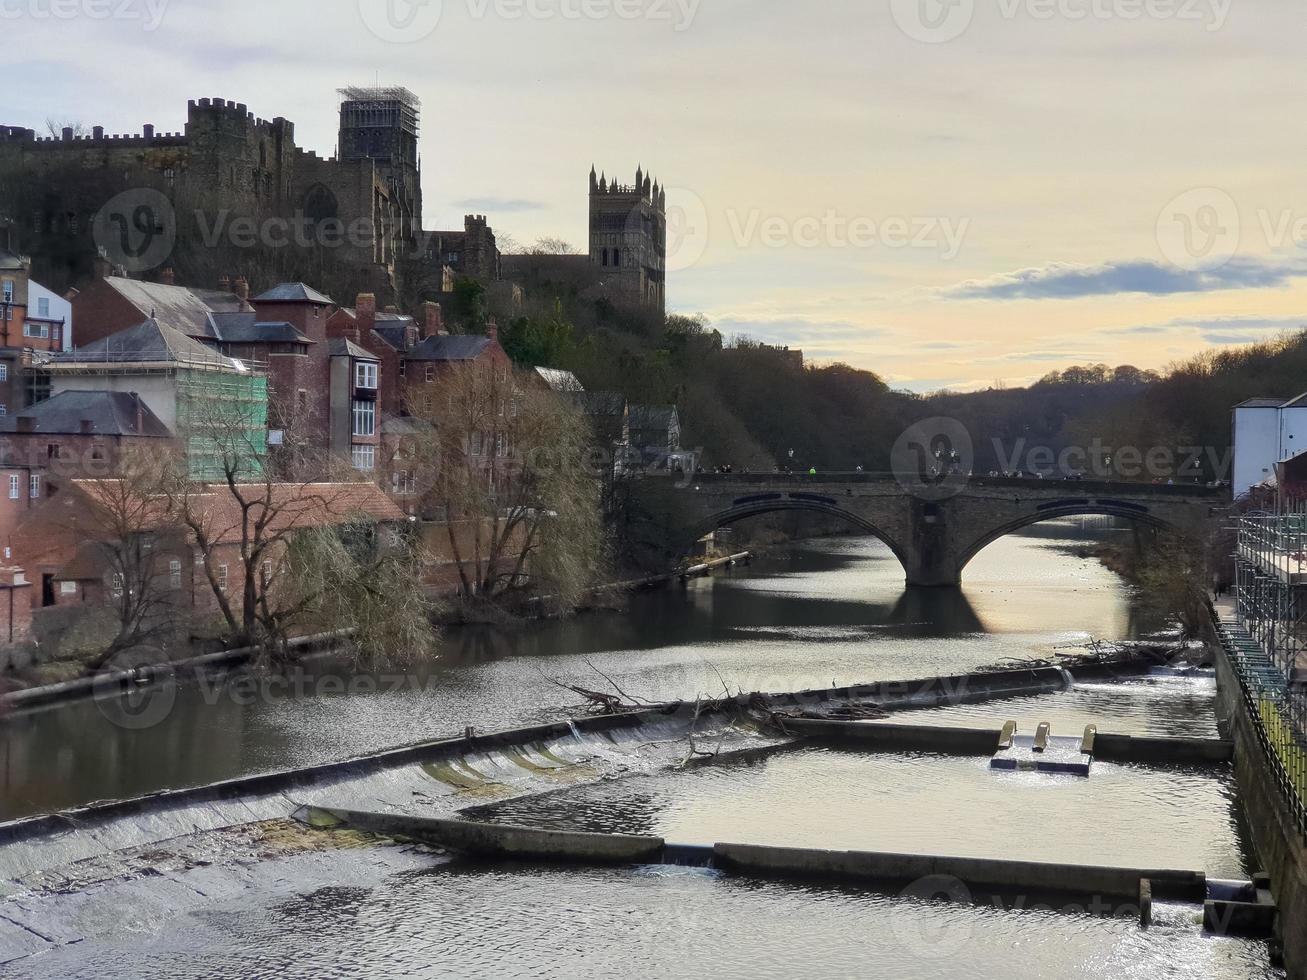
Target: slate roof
point(294, 292)
point(180, 307)
point(111, 413)
point(1261, 403)
point(1298, 402)
point(10, 262)
point(247, 328)
point(394, 334)
point(452, 347)
point(342, 347)
point(148, 342)
point(560, 380)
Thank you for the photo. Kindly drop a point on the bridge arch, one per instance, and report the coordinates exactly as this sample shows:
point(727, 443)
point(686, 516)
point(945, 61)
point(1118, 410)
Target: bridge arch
point(744, 509)
point(1134, 513)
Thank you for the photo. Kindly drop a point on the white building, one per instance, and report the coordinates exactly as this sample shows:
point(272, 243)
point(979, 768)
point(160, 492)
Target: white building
point(1266, 431)
point(48, 312)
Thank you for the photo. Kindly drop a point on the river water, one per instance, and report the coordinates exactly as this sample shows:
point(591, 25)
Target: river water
point(830, 611)
point(812, 614)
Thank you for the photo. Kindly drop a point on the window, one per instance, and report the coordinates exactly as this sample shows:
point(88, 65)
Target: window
point(478, 444)
point(403, 366)
point(15, 488)
point(501, 445)
point(4, 410)
point(52, 451)
point(34, 487)
point(33, 329)
point(4, 372)
point(68, 588)
point(365, 418)
point(365, 457)
point(43, 306)
point(175, 574)
point(116, 585)
point(267, 573)
point(222, 578)
point(7, 291)
point(431, 373)
point(401, 483)
point(365, 375)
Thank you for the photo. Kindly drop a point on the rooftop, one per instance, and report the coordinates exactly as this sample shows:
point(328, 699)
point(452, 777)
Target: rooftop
point(146, 343)
point(450, 347)
point(344, 347)
point(180, 307)
point(247, 328)
point(294, 292)
point(114, 413)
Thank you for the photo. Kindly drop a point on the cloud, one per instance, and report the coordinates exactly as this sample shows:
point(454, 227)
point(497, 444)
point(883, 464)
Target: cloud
point(503, 205)
point(1064, 281)
point(1221, 325)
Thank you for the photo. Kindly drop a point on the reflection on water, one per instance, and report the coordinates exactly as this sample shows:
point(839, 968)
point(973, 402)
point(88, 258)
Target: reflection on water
point(811, 615)
point(602, 923)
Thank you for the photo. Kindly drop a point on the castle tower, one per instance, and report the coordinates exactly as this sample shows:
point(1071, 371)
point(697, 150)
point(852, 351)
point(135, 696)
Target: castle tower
point(382, 125)
point(628, 239)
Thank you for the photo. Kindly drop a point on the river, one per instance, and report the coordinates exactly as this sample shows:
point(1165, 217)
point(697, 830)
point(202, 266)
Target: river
point(816, 613)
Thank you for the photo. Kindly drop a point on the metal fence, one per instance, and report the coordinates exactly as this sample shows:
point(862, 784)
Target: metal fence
point(1268, 643)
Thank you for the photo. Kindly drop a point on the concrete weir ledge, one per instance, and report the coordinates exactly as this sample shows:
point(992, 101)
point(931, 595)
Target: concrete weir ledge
point(984, 741)
point(505, 842)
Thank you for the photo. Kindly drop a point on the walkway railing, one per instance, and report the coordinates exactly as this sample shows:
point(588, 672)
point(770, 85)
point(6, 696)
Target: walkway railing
point(1279, 714)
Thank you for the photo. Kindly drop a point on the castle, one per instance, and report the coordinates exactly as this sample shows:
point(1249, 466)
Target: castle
point(228, 161)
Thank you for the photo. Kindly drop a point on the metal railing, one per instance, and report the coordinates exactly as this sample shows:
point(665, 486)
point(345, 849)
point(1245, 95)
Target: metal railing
point(1279, 714)
point(1268, 643)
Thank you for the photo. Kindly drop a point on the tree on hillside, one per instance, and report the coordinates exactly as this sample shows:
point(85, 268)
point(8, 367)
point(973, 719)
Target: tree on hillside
point(510, 476)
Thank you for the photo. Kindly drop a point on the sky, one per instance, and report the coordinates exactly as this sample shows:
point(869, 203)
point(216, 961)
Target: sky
point(950, 193)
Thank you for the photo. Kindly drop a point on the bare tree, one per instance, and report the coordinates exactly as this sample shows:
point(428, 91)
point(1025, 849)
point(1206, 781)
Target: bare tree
point(56, 127)
point(253, 515)
point(508, 456)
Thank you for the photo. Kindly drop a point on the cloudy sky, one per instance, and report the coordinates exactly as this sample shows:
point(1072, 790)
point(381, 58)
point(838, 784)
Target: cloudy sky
point(947, 192)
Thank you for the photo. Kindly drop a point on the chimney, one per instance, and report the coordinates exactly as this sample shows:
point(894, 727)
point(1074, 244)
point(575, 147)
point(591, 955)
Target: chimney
point(140, 413)
point(224, 283)
point(24, 423)
point(492, 331)
point(392, 309)
point(167, 276)
point(241, 287)
point(101, 266)
point(365, 314)
point(86, 427)
point(431, 322)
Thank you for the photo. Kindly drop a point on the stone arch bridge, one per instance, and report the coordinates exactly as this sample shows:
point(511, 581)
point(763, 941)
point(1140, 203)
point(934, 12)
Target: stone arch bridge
point(934, 539)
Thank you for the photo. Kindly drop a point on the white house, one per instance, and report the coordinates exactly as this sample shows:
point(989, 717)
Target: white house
point(1266, 431)
point(45, 310)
